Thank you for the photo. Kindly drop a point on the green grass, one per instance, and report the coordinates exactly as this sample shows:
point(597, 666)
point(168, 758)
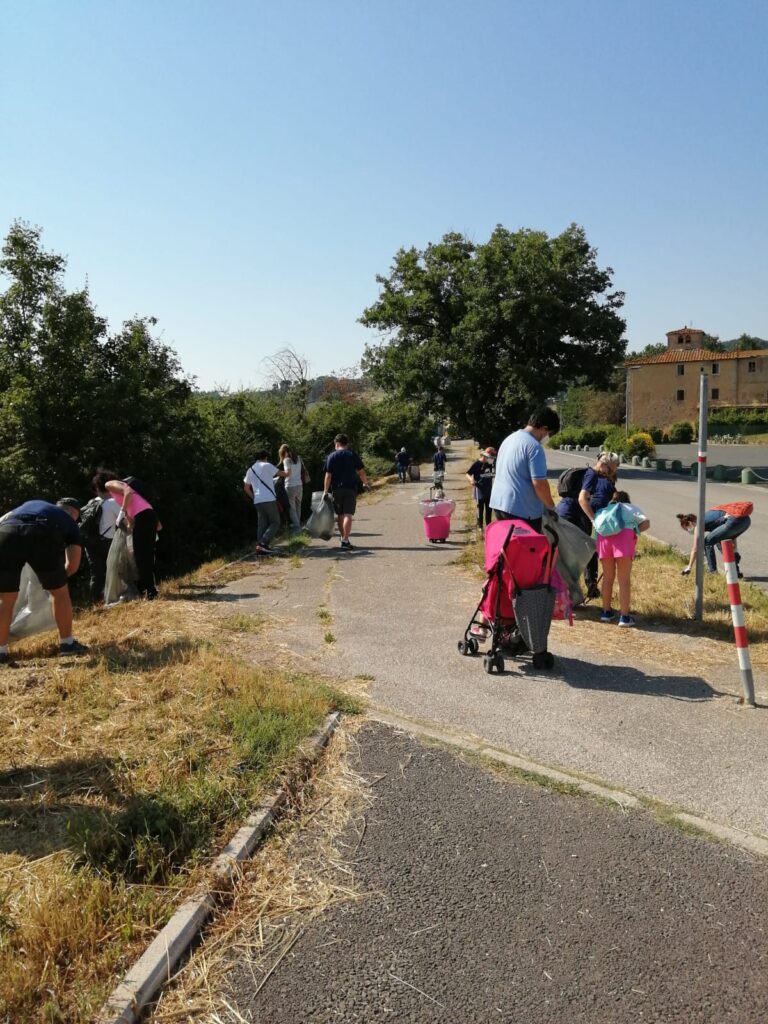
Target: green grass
point(240, 622)
point(329, 638)
point(324, 615)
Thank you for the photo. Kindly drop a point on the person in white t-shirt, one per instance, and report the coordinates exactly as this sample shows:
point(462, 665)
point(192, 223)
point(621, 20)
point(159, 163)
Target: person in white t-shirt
point(258, 484)
point(294, 483)
point(97, 547)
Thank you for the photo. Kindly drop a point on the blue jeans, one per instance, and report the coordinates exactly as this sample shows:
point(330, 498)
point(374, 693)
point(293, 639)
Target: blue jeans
point(726, 531)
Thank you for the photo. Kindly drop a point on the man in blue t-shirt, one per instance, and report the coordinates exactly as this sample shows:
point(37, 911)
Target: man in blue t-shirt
point(343, 468)
point(47, 538)
point(520, 488)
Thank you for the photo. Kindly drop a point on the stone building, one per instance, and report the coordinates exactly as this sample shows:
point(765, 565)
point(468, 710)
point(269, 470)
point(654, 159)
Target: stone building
point(664, 389)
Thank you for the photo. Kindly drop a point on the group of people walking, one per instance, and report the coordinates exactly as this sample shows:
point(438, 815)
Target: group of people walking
point(343, 470)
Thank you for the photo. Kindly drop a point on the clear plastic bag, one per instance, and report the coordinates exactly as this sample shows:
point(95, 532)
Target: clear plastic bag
point(121, 568)
point(320, 523)
point(574, 551)
point(32, 612)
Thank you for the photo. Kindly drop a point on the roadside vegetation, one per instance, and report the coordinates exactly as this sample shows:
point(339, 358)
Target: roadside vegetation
point(121, 774)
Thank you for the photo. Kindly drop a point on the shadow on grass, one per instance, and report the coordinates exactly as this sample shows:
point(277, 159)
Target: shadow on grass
point(37, 802)
point(140, 657)
point(208, 594)
point(582, 675)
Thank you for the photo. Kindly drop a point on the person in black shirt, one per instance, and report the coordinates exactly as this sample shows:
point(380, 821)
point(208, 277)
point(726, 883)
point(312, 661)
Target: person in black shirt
point(47, 538)
point(480, 474)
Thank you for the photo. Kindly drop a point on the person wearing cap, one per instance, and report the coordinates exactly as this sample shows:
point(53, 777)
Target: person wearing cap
point(520, 487)
point(597, 491)
point(402, 462)
point(46, 537)
point(480, 475)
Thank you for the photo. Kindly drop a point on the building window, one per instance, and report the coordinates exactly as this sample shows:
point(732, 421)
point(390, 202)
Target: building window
point(680, 370)
point(751, 366)
point(715, 393)
point(715, 369)
point(680, 339)
point(681, 395)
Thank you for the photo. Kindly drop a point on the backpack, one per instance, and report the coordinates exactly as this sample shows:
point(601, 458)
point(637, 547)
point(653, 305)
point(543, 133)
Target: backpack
point(90, 520)
point(737, 509)
point(617, 517)
point(570, 481)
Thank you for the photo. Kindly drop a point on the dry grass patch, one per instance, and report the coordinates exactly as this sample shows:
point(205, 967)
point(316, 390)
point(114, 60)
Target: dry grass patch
point(293, 879)
point(119, 774)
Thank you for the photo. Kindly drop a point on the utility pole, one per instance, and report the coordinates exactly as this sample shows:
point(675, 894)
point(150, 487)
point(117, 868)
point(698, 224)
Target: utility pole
point(702, 468)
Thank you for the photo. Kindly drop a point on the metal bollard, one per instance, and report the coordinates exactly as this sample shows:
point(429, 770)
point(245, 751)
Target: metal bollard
point(748, 475)
point(737, 615)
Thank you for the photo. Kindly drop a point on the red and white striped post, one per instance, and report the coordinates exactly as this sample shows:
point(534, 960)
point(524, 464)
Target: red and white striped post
point(737, 614)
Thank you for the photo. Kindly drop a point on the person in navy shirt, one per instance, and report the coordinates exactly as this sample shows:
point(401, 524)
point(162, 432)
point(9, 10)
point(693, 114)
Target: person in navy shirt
point(402, 462)
point(343, 469)
point(597, 491)
point(480, 474)
point(47, 538)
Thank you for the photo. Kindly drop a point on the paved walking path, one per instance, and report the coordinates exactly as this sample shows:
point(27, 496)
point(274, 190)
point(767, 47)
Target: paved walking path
point(487, 899)
point(397, 607)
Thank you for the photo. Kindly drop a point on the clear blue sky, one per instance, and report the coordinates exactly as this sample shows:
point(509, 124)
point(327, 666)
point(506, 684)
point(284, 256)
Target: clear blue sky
point(243, 170)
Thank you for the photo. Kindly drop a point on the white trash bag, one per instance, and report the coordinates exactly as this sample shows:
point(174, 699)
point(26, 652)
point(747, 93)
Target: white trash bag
point(320, 523)
point(121, 569)
point(32, 612)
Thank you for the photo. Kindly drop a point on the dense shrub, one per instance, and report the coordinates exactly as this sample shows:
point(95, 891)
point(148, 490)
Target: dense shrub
point(640, 444)
point(681, 433)
point(615, 440)
point(593, 436)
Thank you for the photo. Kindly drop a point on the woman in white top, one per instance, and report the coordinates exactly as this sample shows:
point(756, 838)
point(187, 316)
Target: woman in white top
point(294, 483)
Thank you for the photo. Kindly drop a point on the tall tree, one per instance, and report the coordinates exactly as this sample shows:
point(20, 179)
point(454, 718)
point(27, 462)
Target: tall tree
point(482, 333)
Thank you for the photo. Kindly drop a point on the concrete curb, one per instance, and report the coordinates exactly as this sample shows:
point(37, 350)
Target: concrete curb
point(156, 965)
point(756, 844)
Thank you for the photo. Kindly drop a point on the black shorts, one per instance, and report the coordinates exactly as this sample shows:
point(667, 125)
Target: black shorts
point(39, 546)
point(344, 501)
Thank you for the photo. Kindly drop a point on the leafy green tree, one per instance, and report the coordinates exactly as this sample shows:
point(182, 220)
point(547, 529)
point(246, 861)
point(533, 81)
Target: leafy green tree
point(482, 333)
point(747, 343)
point(656, 348)
point(712, 343)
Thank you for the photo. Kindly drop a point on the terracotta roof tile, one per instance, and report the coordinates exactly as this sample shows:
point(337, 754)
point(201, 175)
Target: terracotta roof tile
point(692, 355)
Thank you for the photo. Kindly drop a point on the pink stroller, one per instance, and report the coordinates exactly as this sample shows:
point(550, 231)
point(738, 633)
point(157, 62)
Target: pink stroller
point(518, 600)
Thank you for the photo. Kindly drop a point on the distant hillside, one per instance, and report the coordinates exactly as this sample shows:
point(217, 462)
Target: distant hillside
point(758, 343)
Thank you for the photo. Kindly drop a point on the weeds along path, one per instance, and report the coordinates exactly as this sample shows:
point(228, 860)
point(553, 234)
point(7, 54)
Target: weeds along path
point(652, 711)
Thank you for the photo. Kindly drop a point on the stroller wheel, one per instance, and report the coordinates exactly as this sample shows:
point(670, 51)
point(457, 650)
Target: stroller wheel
point(499, 662)
point(473, 645)
point(488, 663)
point(464, 646)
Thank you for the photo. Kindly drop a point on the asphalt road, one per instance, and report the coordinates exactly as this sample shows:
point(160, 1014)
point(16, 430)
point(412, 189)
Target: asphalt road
point(495, 900)
point(662, 495)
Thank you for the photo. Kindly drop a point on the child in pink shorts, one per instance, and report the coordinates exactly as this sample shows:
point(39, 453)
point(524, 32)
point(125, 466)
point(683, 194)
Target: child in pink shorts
point(616, 552)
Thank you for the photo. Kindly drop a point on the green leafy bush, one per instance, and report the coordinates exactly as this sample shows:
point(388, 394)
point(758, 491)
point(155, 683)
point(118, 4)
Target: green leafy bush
point(681, 433)
point(592, 436)
point(640, 444)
